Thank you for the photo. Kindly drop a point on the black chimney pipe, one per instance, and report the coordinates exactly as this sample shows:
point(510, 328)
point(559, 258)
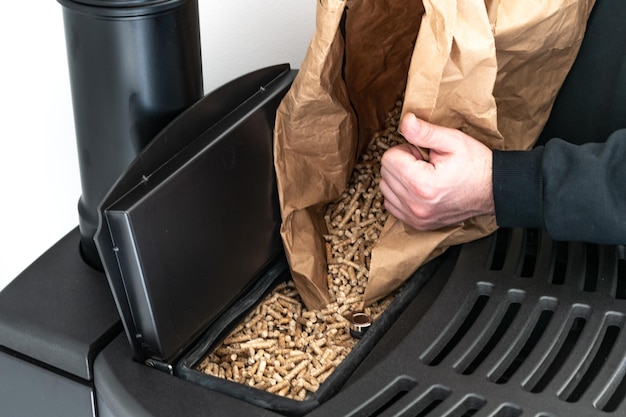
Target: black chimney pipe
point(134, 65)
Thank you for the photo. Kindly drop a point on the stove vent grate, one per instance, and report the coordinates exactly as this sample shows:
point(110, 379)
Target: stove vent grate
point(523, 325)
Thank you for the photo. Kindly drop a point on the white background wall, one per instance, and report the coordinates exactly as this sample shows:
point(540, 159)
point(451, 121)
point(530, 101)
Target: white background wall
point(39, 178)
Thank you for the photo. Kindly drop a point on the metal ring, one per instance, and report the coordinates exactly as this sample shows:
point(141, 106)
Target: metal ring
point(359, 323)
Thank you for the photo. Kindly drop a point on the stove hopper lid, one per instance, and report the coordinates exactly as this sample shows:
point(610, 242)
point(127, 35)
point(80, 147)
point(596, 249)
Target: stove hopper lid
point(195, 217)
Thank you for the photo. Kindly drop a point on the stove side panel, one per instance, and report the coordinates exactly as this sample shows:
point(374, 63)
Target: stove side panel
point(28, 390)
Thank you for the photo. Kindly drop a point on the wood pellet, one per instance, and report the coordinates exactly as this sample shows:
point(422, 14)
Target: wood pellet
point(283, 348)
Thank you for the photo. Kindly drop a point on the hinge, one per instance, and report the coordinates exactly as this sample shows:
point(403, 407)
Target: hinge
point(161, 366)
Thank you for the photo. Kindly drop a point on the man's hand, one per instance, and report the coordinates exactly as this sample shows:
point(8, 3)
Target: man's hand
point(454, 185)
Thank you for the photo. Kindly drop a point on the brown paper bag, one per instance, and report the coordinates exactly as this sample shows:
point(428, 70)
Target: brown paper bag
point(491, 69)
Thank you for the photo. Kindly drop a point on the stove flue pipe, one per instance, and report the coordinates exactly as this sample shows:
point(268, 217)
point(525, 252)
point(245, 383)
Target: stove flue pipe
point(134, 65)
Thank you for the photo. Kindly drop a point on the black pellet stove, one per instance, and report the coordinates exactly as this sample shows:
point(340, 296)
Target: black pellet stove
point(178, 239)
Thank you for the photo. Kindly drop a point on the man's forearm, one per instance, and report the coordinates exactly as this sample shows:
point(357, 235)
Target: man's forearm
point(574, 192)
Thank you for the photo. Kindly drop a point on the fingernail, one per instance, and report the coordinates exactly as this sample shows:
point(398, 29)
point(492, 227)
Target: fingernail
point(408, 116)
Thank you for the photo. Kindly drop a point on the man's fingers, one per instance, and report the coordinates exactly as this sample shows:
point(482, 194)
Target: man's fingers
point(392, 203)
point(391, 197)
point(423, 134)
point(403, 161)
point(395, 160)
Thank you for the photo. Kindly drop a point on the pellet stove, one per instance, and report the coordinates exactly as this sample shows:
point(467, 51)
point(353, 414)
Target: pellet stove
point(179, 237)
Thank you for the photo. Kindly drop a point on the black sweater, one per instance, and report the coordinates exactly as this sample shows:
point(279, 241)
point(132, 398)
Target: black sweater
point(575, 188)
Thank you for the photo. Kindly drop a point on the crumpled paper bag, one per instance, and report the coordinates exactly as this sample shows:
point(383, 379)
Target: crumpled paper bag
point(489, 68)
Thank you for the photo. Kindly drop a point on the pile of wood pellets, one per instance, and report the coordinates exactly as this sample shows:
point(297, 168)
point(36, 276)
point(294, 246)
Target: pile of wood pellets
point(285, 349)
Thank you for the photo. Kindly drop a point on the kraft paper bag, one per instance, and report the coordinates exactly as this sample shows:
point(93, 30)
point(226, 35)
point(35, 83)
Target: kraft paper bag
point(491, 69)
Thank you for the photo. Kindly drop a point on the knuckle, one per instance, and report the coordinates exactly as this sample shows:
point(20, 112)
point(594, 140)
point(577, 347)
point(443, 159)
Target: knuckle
point(421, 212)
point(429, 193)
point(422, 191)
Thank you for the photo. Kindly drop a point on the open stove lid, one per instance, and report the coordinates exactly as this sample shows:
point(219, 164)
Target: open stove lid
point(195, 217)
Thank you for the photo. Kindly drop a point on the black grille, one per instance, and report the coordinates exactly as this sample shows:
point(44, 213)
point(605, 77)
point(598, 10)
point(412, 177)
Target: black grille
point(523, 326)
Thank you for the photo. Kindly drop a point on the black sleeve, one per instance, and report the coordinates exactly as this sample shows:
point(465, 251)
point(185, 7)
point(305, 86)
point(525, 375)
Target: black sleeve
point(575, 192)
